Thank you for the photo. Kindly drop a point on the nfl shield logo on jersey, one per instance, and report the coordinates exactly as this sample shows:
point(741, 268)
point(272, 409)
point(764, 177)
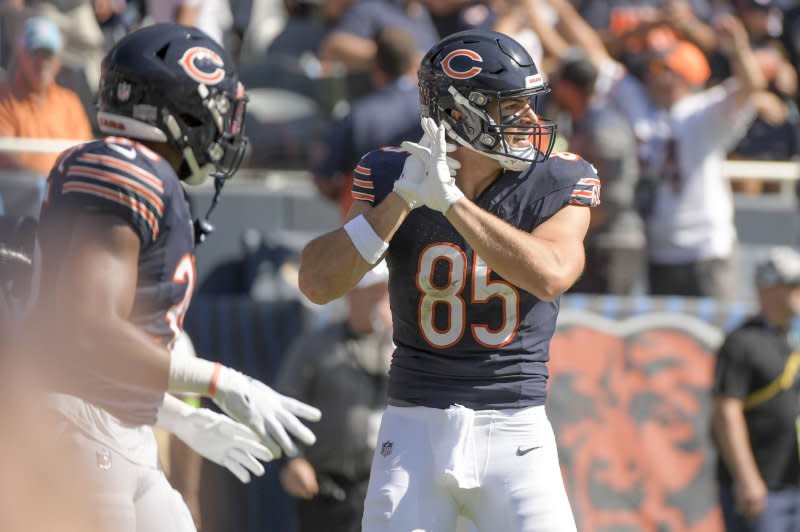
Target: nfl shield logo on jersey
point(104, 459)
point(386, 448)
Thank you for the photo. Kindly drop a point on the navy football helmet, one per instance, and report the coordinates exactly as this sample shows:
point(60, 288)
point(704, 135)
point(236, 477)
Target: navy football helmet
point(470, 72)
point(172, 83)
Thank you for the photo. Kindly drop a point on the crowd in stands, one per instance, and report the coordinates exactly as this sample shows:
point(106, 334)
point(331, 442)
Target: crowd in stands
point(657, 94)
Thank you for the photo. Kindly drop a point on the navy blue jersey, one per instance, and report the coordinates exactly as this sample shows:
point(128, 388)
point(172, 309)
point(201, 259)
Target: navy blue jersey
point(463, 334)
point(368, 18)
point(118, 177)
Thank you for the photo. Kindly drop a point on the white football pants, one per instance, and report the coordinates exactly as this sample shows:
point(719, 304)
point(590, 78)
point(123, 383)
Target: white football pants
point(497, 468)
point(128, 497)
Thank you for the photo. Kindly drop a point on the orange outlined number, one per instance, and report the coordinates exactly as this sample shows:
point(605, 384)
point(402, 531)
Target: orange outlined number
point(185, 273)
point(449, 294)
point(484, 289)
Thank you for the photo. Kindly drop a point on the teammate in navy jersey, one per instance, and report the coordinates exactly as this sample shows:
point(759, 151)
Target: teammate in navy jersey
point(116, 243)
point(480, 245)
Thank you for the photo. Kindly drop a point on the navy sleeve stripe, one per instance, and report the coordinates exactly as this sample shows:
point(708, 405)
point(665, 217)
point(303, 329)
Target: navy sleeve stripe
point(375, 175)
point(114, 181)
point(115, 196)
point(118, 164)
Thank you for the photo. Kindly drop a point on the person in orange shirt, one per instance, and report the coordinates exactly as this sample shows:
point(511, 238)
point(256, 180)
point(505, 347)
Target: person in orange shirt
point(32, 104)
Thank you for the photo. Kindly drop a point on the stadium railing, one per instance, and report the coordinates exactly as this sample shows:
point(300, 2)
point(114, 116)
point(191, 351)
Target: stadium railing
point(784, 172)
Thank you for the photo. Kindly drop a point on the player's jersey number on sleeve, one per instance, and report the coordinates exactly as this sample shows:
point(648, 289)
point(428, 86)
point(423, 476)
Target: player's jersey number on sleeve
point(450, 295)
point(184, 274)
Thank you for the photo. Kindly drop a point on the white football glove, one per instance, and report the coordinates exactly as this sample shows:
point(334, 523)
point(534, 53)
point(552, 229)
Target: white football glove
point(215, 437)
point(410, 181)
point(438, 189)
point(270, 415)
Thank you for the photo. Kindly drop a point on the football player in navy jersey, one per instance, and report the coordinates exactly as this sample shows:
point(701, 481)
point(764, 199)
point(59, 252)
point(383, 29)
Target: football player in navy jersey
point(116, 243)
point(480, 244)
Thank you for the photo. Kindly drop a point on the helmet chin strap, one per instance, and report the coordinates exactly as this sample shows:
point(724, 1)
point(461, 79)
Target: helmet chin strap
point(202, 227)
point(198, 174)
point(520, 160)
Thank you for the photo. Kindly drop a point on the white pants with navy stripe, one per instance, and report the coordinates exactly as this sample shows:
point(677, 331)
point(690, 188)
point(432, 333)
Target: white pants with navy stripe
point(127, 496)
point(497, 468)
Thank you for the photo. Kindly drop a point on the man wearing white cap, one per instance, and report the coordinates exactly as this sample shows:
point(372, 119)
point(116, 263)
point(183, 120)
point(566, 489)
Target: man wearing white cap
point(343, 370)
point(756, 408)
point(32, 104)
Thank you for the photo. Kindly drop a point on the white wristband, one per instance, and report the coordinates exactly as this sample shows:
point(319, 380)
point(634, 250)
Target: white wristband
point(365, 239)
point(193, 375)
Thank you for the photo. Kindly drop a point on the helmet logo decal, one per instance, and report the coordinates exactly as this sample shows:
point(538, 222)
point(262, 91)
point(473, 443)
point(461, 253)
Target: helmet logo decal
point(462, 74)
point(203, 65)
point(123, 91)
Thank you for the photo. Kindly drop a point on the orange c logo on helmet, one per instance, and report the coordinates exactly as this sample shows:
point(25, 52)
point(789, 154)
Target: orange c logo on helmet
point(203, 65)
point(462, 74)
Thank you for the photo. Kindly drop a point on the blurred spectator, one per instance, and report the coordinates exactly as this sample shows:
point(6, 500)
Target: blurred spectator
point(790, 34)
point(615, 243)
point(635, 27)
point(212, 16)
point(761, 18)
point(32, 105)
point(351, 41)
point(118, 17)
point(613, 17)
point(525, 21)
point(383, 118)
point(11, 15)
point(776, 131)
point(344, 370)
point(84, 41)
point(755, 406)
point(451, 16)
point(303, 31)
point(683, 137)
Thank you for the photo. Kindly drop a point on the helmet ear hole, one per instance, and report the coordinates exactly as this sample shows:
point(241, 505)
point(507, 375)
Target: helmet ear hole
point(190, 120)
point(162, 52)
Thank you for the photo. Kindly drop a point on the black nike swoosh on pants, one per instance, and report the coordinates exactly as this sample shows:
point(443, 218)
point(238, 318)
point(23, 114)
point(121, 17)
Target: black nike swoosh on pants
point(523, 452)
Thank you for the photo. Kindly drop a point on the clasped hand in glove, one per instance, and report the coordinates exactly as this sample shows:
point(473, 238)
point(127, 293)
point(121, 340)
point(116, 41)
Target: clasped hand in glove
point(427, 177)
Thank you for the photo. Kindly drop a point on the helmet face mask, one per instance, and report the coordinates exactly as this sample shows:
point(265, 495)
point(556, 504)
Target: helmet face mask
point(478, 74)
point(174, 84)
